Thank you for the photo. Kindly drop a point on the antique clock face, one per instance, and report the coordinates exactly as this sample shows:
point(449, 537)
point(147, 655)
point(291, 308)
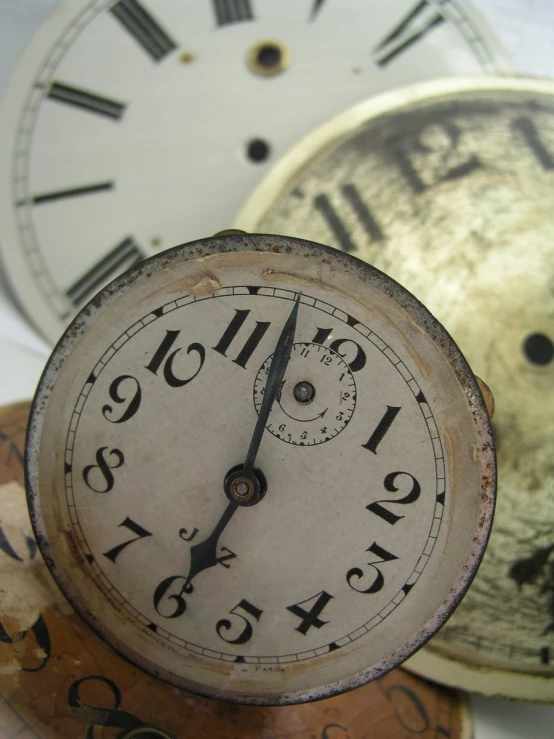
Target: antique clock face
point(448, 188)
point(131, 126)
point(228, 551)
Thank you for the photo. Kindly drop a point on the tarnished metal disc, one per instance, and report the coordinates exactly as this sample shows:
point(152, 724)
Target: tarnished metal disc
point(449, 188)
point(58, 679)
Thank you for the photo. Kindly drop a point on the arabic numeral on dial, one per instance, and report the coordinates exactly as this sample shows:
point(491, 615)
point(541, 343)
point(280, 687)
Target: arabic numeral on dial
point(39, 630)
point(310, 618)
point(349, 350)
point(178, 604)
point(390, 485)
point(112, 715)
point(141, 533)
point(225, 625)
point(134, 398)
point(355, 574)
point(162, 356)
point(410, 711)
point(102, 469)
point(250, 344)
point(7, 548)
point(382, 427)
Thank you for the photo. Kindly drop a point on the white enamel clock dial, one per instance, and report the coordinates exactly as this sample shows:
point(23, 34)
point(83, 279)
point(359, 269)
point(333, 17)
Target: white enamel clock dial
point(131, 126)
point(358, 540)
point(449, 188)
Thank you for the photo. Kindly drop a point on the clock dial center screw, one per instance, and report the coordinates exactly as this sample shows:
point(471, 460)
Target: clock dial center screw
point(304, 392)
point(243, 488)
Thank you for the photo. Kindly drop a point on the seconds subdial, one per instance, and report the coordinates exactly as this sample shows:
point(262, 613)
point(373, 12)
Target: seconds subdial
point(308, 411)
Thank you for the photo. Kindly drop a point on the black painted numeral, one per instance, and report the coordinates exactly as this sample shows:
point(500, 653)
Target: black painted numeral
point(415, 25)
point(7, 548)
point(348, 349)
point(124, 256)
point(39, 630)
point(416, 721)
point(363, 214)
point(232, 11)
point(310, 617)
point(111, 715)
point(526, 128)
point(72, 192)
point(382, 427)
point(225, 625)
point(445, 150)
point(178, 603)
point(328, 733)
point(86, 100)
point(135, 528)
point(143, 28)
point(134, 401)
point(161, 357)
point(355, 573)
point(251, 343)
point(92, 478)
point(316, 7)
point(391, 486)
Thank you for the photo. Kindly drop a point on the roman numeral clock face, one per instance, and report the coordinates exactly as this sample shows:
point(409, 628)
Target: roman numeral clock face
point(255, 536)
point(135, 125)
point(465, 221)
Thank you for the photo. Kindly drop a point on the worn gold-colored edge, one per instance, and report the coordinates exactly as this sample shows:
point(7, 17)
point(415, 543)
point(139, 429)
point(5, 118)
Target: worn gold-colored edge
point(428, 662)
point(321, 139)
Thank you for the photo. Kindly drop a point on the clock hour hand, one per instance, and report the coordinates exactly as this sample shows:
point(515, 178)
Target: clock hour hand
point(204, 554)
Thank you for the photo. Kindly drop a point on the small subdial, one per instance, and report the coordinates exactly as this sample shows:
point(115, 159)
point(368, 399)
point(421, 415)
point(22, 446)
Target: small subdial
point(316, 400)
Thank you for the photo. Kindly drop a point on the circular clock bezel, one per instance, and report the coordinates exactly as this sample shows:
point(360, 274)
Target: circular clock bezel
point(484, 453)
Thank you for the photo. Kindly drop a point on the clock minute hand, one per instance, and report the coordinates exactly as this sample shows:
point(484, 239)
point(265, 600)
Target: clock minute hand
point(277, 369)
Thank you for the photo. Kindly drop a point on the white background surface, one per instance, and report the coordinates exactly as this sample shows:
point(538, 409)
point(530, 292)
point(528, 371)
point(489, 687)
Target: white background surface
point(527, 29)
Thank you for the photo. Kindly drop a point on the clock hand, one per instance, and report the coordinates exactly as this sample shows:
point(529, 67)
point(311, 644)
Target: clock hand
point(277, 369)
point(204, 554)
